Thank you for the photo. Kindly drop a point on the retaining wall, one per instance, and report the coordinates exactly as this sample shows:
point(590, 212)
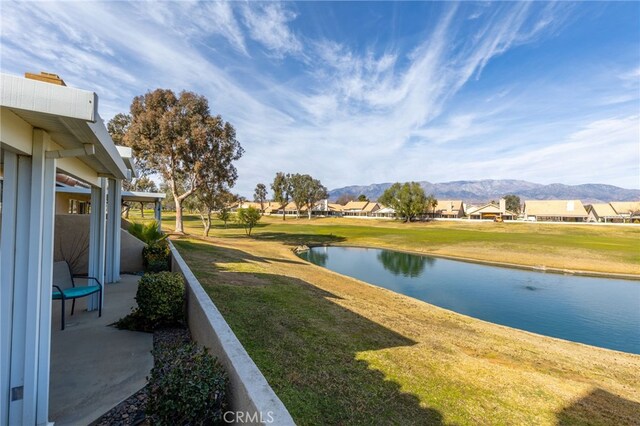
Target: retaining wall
point(250, 394)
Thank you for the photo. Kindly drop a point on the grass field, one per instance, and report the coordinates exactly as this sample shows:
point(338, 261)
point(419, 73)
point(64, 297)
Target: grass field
point(339, 351)
point(603, 249)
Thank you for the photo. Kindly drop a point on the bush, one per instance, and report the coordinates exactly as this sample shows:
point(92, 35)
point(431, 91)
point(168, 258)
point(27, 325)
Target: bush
point(156, 257)
point(187, 387)
point(160, 298)
point(149, 233)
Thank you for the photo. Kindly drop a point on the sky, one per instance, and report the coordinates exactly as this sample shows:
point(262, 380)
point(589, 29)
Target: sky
point(356, 93)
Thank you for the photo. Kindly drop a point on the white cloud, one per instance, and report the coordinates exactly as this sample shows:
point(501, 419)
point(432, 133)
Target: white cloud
point(347, 116)
point(268, 25)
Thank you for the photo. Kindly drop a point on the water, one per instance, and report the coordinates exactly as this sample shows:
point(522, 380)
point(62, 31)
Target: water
point(596, 311)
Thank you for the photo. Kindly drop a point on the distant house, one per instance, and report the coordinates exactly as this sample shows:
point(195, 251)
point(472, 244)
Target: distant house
point(555, 211)
point(602, 212)
point(450, 209)
point(384, 212)
point(627, 210)
point(491, 211)
point(355, 208)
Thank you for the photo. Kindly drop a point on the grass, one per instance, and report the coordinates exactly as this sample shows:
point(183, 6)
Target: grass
point(597, 249)
point(339, 351)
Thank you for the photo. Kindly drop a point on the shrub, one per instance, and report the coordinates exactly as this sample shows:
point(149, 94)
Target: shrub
point(156, 257)
point(148, 233)
point(187, 387)
point(160, 298)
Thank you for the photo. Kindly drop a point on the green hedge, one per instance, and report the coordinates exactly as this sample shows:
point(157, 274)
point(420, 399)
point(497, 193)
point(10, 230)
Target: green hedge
point(187, 386)
point(160, 298)
point(156, 257)
point(161, 303)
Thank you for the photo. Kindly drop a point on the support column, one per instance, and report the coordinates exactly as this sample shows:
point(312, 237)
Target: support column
point(157, 209)
point(7, 270)
point(97, 238)
point(114, 201)
point(26, 270)
point(48, 220)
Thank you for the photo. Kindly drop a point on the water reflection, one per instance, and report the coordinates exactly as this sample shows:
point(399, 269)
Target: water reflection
point(409, 265)
point(317, 257)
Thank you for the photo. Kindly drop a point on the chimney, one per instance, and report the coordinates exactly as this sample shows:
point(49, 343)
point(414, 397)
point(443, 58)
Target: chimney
point(503, 205)
point(46, 77)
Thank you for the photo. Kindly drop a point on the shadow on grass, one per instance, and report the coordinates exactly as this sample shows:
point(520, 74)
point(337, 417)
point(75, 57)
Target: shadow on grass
point(223, 255)
point(306, 345)
point(600, 408)
point(299, 239)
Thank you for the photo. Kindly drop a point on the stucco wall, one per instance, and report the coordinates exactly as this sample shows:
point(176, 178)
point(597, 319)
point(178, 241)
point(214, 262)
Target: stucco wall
point(71, 243)
point(250, 392)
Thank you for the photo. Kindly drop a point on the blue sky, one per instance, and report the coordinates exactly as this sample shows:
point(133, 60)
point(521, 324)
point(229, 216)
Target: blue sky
point(359, 92)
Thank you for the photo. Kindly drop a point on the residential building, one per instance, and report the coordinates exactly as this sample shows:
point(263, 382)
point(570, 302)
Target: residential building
point(555, 211)
point(602, 212)
point(629, 211)
point(491, 211)
point(47, 129)
point(450, 209)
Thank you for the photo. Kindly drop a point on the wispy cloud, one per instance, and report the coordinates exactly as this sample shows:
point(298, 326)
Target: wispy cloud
point(322, 104)
point(268, 25)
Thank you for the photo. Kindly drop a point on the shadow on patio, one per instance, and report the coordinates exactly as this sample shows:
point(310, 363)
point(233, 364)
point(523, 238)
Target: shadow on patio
point(93, 366)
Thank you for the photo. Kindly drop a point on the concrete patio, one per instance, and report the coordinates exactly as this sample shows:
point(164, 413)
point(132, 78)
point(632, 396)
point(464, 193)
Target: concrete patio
point(93, 366)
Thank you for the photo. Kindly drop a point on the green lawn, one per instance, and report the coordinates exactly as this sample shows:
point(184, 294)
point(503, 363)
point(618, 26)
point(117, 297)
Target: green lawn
point(604, 249)
point(337, 351)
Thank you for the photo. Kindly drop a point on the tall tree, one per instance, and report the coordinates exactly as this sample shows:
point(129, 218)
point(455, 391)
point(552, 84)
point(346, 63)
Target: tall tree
point(281, 188)
point(362, 197)
point(211, 198)
point(306, 192)
point(512, 203)
point(260, 195)
point(407, 199)
point(431, 204)
point(344, 199)
point(143, 184)
point(179, 138)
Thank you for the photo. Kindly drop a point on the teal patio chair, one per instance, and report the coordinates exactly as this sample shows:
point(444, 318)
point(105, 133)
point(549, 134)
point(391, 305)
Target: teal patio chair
point(64, 287)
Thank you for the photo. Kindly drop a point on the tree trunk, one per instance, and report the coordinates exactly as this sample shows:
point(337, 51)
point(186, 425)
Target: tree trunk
point(179, 229)
point(283, 213)
point(142, 209)
point(126, 211)
point(309, 212)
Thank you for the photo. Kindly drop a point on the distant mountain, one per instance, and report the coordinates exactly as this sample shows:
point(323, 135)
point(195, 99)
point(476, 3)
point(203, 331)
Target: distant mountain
point(478, 191)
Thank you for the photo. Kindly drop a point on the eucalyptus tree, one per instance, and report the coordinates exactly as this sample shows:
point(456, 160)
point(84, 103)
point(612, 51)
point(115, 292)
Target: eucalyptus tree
point(260, 195)
point(179, 139)
point(281, 188)
point(407, 199)
point(306, 192)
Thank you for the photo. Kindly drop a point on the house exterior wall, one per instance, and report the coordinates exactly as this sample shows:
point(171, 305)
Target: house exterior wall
point(71, 243)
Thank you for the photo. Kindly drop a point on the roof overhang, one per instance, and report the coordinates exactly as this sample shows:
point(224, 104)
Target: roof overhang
point(141, 197)
point(70, 117)
point(127, 156)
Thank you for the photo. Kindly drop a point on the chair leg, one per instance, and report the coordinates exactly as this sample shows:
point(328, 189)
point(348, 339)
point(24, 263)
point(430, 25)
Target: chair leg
point(100, 303)
point(62, 310)
point(73, 306)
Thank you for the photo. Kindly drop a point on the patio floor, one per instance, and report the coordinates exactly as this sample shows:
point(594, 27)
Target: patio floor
point(93, 366)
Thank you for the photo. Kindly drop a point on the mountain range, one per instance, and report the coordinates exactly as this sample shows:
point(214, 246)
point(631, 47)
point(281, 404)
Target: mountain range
point(479, 191)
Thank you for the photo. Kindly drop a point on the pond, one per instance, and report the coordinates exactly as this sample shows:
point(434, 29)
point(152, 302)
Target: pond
point(597, 311)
